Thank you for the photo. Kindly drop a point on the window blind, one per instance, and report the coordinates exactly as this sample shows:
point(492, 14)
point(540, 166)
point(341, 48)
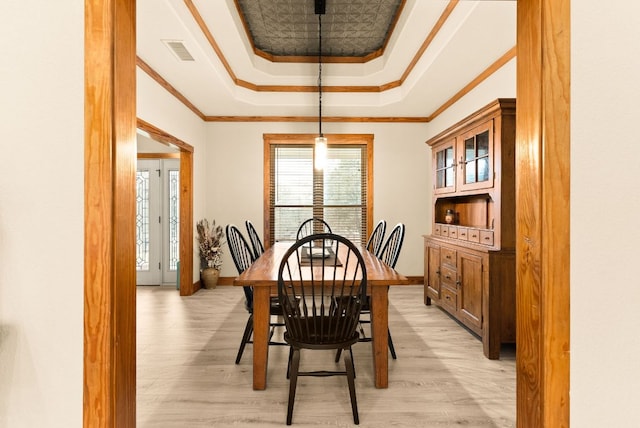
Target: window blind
point(337, 194)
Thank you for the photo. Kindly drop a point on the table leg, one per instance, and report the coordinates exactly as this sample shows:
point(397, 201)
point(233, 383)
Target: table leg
point(261, 306)
point(380, 331)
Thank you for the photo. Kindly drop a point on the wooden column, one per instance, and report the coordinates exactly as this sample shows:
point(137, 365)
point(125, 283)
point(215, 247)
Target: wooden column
point(109, 274)
point(542, 214)
point(187, 287)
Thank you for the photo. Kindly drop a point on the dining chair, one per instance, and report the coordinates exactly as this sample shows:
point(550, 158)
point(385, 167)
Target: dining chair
point(321, 297)
point(390, 251)
point(243, 256)
point(312, 226)
point(256, 242)
point(389, 254)
point(374, 243)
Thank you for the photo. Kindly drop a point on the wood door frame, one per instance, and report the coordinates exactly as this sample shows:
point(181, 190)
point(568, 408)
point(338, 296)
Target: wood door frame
point(187, 287)
point(109, 278)
point(543, 169)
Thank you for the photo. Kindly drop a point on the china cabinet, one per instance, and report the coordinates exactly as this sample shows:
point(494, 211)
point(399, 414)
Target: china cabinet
point(469, 257)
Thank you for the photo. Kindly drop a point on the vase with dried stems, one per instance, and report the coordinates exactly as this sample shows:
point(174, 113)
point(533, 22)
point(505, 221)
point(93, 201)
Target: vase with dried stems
point(210, 241)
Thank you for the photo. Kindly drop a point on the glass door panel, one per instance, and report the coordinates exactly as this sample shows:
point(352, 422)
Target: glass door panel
point(445, 174)
point(476, 161)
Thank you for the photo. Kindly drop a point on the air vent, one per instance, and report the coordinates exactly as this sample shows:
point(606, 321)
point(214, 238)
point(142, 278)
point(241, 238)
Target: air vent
point(178, 48)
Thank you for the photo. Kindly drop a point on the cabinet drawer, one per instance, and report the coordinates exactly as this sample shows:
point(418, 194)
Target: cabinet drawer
point(437, 229)
point(453, 232)
point(474, 235)
point(486, 237)
point(448, 256)
point(448, 276)
point(463, 233)
point(449, 299)
point(444, 231)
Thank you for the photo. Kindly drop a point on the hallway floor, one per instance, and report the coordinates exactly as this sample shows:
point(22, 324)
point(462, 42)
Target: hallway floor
point(186, 376)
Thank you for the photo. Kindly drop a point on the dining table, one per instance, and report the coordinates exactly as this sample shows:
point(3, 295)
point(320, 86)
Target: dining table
point(262, 275)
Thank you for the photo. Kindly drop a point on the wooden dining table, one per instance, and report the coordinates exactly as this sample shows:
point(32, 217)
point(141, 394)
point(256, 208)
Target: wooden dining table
point(262, 275)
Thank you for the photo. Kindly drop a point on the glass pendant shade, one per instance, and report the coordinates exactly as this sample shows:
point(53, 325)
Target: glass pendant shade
point(320, 152)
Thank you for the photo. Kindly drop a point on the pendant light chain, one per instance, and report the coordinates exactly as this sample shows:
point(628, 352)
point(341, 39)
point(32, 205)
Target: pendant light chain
point(320, 148)
point(320, 74)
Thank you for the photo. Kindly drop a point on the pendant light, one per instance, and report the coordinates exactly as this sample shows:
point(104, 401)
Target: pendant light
point(321, 141)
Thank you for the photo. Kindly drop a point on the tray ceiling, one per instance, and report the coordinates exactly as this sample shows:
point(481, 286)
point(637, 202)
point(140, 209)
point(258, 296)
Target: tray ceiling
point(350, 28)
point(432, 50)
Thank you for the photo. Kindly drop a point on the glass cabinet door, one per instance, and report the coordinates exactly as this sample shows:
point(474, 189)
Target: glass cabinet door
point(445, 163)
point(476, 158)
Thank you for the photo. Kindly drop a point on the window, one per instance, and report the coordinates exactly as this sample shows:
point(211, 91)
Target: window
point(341, 194)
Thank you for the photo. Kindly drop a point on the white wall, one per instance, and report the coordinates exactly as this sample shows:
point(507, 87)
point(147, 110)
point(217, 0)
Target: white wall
point(605, 207)
point(41, 213)
point(41, 207)
point(501, 84)
point(144, 144)
point(402, 167)
point(161, 109)
point(401, 178)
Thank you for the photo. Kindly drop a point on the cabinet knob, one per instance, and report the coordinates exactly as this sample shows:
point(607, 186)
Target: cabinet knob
point(458, 283)
point(438, 272)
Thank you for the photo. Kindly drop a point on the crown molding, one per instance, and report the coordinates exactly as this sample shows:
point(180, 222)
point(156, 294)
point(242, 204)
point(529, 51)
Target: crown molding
point(288, 88)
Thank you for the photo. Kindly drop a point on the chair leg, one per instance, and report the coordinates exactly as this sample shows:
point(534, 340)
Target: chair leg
point(352, 361)
point(248, 330)
point(338, 353)
point(363, 335)
point(391, 347)
point(348, 364)
point(295, 364)
point(289, 361)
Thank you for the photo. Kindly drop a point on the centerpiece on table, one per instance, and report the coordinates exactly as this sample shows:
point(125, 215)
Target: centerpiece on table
point(210, 241)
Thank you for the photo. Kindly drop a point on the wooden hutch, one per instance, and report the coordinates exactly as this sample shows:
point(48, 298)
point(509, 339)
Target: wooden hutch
point(469, 259)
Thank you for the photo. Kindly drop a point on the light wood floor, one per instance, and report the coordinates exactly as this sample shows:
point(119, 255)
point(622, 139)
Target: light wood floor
point(186, 376)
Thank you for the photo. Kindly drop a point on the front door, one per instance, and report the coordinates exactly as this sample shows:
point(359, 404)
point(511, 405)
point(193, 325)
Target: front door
point(157, 221)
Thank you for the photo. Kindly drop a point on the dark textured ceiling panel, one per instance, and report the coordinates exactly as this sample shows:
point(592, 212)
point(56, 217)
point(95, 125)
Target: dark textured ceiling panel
point(350, 28)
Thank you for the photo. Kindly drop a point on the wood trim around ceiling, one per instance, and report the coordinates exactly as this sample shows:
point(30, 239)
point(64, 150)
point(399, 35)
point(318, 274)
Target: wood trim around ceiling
point(495, 66)
point(432, 35)
point(163, 137)
point(500, 62)
point(315, 119)
point(288, 88)
point(326, 59)
point(167, 86)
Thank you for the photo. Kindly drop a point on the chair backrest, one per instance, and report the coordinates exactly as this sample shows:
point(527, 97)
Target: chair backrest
point(374, 243)
point(321, 297)
point(312, 226)
point(256, 242)
point(242, 256)
point(390, 251)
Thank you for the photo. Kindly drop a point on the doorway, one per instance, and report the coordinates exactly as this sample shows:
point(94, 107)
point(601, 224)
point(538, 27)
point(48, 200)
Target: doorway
point(157, 221)
point(109, 345)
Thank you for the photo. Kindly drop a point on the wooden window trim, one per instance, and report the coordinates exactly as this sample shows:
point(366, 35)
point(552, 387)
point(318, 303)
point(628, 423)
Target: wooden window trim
point(297, 139)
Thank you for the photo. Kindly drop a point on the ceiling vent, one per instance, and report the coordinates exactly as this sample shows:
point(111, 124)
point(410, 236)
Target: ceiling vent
point(178, 48)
